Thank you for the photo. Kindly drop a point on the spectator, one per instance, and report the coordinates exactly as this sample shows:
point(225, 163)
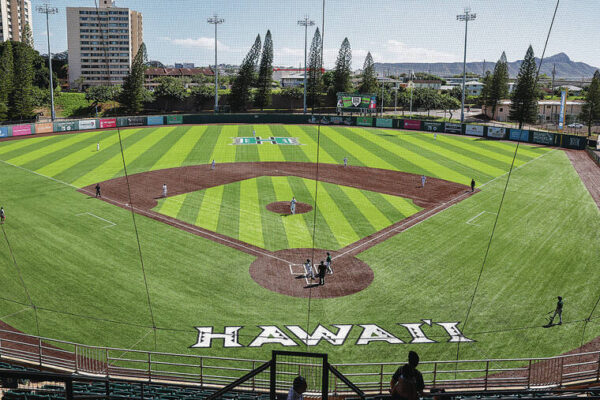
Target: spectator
point(557, 311)
point(297, 389)
point(407, 382)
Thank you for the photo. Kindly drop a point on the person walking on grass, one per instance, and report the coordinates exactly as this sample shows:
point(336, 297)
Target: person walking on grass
point(2, 215)
point(557, 311)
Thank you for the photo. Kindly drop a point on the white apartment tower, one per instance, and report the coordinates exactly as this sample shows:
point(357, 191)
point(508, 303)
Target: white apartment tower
point(14, 15)
point(102, 43)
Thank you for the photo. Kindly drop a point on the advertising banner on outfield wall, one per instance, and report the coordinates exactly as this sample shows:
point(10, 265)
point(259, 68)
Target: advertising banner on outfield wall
point(21, 130)
point(364, 121)
point(384, 122)
point(496, 133)
point(543, 138)
point(87, 124)
point(570, 142)
point(412, 124)
point(474, 130)
point(131, 121)
point(108, 123)
point(44, 127)
point(156, 120)
point(65, 126)
point(433, 126)
point(4, 131)
point(519, 135)
point(174, 119)
point(341, 120)
point(453, 128)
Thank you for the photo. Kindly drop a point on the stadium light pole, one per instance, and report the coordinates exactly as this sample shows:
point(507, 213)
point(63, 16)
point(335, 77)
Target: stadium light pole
point(306, 22)
point(46, 9)
point(215, 20)
point(467, 16)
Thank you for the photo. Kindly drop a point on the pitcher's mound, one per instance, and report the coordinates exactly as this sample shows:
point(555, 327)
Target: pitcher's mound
point(284, 273)
point(283, 207)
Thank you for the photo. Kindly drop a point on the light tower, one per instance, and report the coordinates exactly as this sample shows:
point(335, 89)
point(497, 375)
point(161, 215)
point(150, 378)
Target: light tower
point(46, 9)
point(215, 20)
point(467, 16)
point(306, 22)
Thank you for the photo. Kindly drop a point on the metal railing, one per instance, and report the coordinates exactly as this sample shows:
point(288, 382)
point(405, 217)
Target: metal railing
point(213, 372)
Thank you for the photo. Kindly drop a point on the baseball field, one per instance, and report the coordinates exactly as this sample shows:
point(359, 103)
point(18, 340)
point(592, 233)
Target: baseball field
point(220, 253)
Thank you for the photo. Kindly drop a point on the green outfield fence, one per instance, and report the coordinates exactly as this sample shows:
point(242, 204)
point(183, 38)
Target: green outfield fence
point(483, 131)
point(216, 372)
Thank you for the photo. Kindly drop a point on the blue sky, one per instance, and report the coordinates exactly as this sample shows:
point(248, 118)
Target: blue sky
point(393, 30)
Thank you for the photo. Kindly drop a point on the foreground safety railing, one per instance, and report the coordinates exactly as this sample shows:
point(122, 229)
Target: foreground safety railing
point(212, 372)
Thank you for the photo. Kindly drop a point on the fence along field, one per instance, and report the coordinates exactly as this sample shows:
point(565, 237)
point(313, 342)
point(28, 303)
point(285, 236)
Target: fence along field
point(92, 272)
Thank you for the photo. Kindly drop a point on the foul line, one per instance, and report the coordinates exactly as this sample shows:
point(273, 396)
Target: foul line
point(156, 215)
point(95, 216)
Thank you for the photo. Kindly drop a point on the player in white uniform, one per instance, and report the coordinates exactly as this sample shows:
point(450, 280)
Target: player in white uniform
point(293, 206)
point(164, 190)
point(423, 180)
point(345, 161)
point(213, 165)
point(98, 147)
point(253, 132)
point(308, 269)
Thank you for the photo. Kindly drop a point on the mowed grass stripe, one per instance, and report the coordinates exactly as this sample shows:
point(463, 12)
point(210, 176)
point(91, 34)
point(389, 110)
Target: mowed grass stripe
point(171, 205)
point(353, 214)
point(65, 158)
point(229, 215)
point(82, 163)
point(412, 154)
point(32, 145)
point(290, 153)
point(250, 214)
point(353, 149)
point(464, 164)
point(268, 152)
point(14, 145)
point(405, 206)
point(29, 159)
point(308, 135)
point(191, 207)
point(208, 213)
point(509, 148)
point(480, 149)
point(341, 228)
point(246, 152)
point(296, 230)
point(179, 151)
point(144, 161)
point(274, 236)
point(203, 148)
point(304, 190)
point(375, 216)
point(224, 151)
point(114, 166)
point(382, 204)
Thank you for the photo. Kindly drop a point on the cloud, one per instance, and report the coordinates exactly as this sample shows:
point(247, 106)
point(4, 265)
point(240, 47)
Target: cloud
point(396, 51)
point(201, 43)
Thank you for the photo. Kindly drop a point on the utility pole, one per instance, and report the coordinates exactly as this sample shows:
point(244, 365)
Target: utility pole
point(46, 9)
point(411, 84)
point(215, 20)
point(306, 22)
point(467, 16)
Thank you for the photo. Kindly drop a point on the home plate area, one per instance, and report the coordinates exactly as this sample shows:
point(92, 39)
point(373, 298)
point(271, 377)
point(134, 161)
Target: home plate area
point(283, 272)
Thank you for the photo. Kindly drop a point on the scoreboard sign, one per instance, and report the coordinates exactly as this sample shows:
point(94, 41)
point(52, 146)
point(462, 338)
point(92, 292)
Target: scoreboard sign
point(289, 141)
point(356, 102)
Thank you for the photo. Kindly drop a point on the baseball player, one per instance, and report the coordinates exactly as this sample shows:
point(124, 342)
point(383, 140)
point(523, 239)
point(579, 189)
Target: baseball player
point(293, 206)
point(558, 311)
point(164, 190)
point(309, 271)
point(213, 165)
point(322, 270)
point(345, 161)
point(98, 146)
point(253, 132)
point(328, 263)
point(423, 180)
point(472, 185)
point(2, 215)
point(434, 135)
point(98, 190)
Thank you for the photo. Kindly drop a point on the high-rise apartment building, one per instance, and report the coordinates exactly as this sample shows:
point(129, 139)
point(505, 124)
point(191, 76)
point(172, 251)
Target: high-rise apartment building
point(14, 15)
point(102, 43)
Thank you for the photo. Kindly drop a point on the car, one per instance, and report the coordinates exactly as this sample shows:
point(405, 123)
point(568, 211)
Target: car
point(575, 125)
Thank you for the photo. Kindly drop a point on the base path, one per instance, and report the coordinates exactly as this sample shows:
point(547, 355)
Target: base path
point(278, 271)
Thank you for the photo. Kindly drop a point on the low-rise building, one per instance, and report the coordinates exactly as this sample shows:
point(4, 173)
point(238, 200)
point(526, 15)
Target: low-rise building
point(426, 83)
point(474, 88)
point(548, 111)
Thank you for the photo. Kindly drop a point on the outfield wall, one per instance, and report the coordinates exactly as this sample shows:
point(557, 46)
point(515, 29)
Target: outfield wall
point(483, 131)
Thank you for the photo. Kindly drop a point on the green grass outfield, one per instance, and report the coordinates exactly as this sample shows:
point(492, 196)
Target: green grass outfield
point(85, 277)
